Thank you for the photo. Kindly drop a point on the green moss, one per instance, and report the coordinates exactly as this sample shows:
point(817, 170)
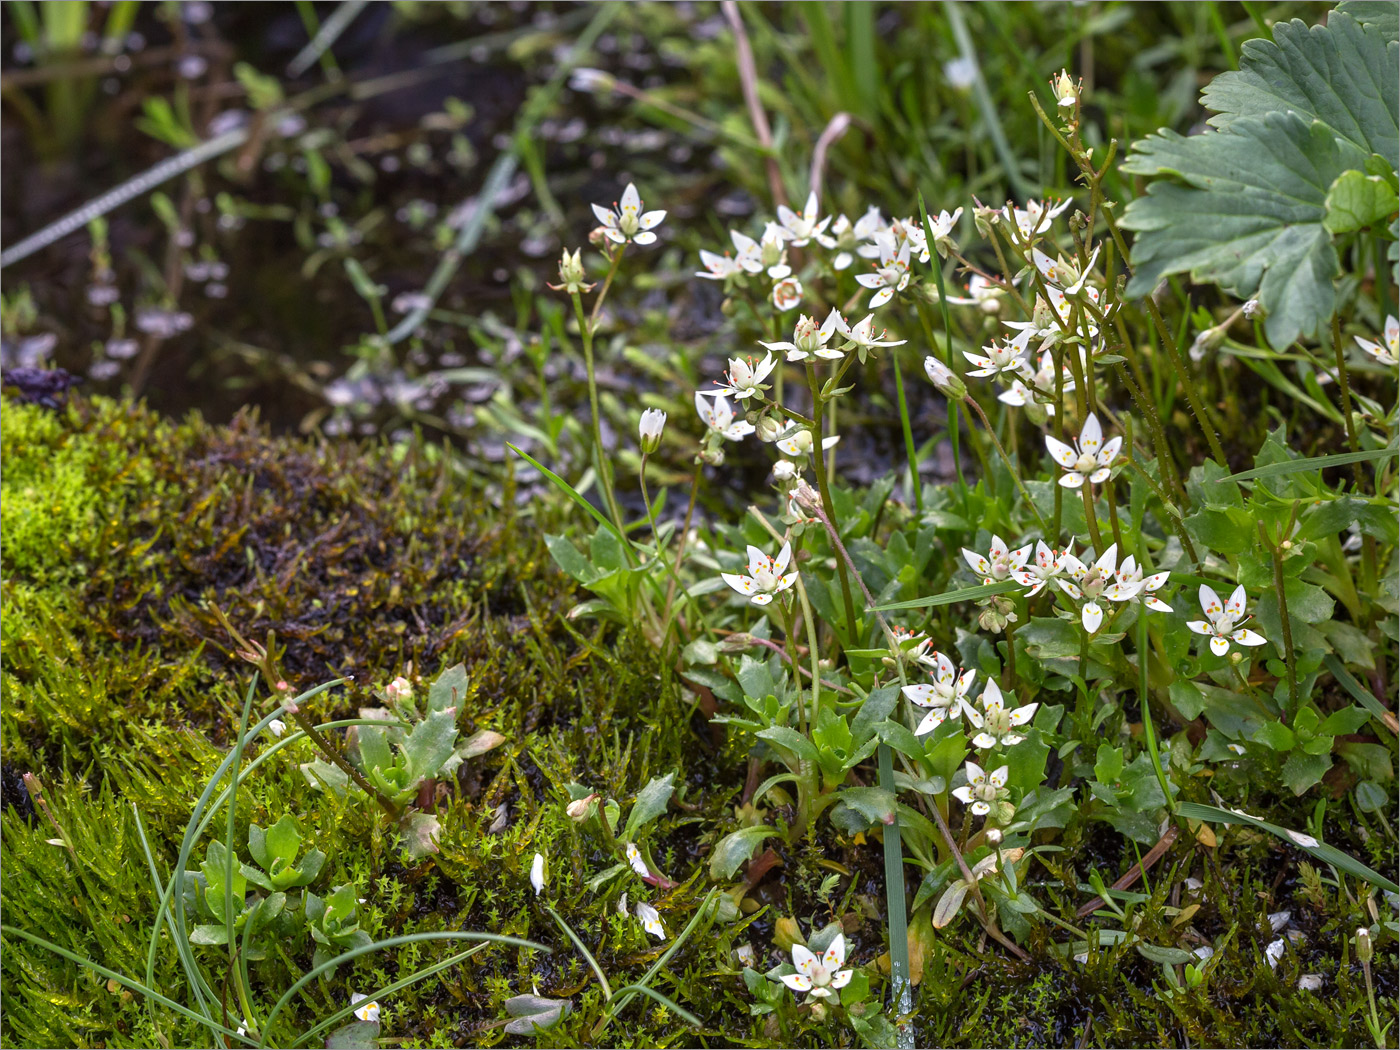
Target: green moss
point(120, 691)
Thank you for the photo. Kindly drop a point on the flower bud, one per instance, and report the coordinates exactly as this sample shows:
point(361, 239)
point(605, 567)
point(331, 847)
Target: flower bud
point(944, 379)
point(1364, 951)
point(713, 457)
point(769, 429)
point(653, 422)
point(1253, 310)
point(785, 470)
point(399, 689)
point(590, 80)
point(1044, 317)
point(994, 835)
point(579, 809)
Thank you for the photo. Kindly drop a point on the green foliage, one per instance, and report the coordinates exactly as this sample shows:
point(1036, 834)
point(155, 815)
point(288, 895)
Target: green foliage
point(1303, 112)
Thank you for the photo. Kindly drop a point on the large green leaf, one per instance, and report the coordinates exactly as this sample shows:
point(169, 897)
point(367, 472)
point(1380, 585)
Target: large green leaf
point(1343, 74)
point(1249, 217)
point(1249, 210)
point(1384, 14)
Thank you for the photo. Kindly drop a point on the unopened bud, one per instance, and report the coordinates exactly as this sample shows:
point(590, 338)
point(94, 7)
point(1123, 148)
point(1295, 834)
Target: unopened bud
point(1364, 951)
point(769, 429)
point(994, 835)
point(984, 218)
point(1253, 310)
point(399, 689)
point(1044, 316)
point(944, 379)
point(579, 808)
point(1037, 413)
point(785, 470)
point(653, 422)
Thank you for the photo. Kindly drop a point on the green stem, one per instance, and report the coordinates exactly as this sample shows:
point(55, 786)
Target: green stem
point(1145, 702)
point(1276, 555)
point(852, 625)
point(680, 547)
point(1091, 517)
point(1011, 467)
point(909, 451)
point(600, 463)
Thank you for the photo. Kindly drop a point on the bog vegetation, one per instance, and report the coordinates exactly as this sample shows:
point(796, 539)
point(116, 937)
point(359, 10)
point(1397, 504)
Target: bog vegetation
point(920, 570)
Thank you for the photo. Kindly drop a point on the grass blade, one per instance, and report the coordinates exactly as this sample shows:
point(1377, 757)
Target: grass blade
point(392, 942)
point(583, 950)
point(1327, 854)
point(1360, 693)
point(1298, 466)
point(127, 982)
point(684, 1015)
point(568, 490)
point(961, 594)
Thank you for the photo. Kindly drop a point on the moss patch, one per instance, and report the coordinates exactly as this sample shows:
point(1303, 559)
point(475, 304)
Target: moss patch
point(120, 691)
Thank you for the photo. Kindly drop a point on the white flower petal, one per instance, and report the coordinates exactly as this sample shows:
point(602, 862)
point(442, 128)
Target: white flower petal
point(798, 982)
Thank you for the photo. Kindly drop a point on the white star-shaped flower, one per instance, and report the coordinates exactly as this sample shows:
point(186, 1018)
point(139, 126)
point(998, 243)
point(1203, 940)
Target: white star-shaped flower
point(719, 417)
point(767, 576)
point(1222, 621)
point(999, 563)
point(997, 358)
point(891, 273)
point(1042, 570)
point(943, 696)
point(862, 334)
point(626, 221)
point(1129, 574)
point(1090, 460)
point(802, 226)
point(1387, 352)
point(809, 340)
point(1034, 219)
point(997, 724)
point(982, 788)
point(745, 376)
point(819, 977)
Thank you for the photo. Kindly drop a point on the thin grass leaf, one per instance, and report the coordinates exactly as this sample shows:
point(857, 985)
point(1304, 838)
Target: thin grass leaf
point(568, 490)
point(326, 35)
point(127, 982)
point(961, 594)
point(392, 942)
point(1327, 854)
point(1360, 693)
point(615, 1007)
point(127, 191)
point(583, 950)
point(387, 990)
point(1299, 466)
point(641, 989)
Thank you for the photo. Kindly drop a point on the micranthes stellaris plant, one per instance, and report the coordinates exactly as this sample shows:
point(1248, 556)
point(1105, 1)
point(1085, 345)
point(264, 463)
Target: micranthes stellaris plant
point(1064, 623)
